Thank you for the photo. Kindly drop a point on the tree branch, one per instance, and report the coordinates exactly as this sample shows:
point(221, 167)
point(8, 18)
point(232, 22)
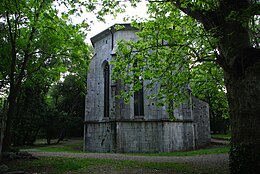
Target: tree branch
point(205, 17)
point(28, 46)
point(13, 51)
point(255, 9)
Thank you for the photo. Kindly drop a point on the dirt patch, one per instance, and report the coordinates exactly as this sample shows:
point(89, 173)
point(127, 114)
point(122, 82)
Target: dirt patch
point(14, 166)
point(39, 170)
point(108, 169)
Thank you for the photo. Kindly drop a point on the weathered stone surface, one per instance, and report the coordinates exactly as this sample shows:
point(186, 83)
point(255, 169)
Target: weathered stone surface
point(122, 131)
point(201, 122)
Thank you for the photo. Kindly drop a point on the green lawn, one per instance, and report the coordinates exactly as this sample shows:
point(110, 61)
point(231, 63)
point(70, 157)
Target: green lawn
point(221, 136)
point(58, 165)
point(216, 150)
point(70, 145)
point(76, 146)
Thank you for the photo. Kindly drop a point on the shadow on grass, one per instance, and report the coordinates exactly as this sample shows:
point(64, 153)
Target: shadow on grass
point(57, 165)
point(68, 145)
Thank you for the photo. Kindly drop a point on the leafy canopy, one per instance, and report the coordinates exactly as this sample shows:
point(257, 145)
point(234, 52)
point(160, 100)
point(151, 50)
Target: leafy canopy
point(173, 52)
point(40, 37)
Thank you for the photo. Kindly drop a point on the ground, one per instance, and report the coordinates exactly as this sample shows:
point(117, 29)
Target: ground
point(206, 163)
point(54, 159)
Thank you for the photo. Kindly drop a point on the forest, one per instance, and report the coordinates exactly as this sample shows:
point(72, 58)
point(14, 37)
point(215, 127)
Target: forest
point(213, 45)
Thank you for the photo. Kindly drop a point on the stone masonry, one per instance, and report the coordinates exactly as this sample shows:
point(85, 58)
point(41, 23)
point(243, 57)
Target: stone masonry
point(111, 125)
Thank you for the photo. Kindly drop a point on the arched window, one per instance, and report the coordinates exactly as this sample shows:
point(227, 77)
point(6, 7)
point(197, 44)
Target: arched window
point(106, 89)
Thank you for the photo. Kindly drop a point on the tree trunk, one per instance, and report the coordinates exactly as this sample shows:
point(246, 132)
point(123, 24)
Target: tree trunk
point(35, 136)
point(2, 129)
point(10, 114)
point(244, 102)
point(48, 140)
point(62, 135)
point(242, 78)
point(241, 64)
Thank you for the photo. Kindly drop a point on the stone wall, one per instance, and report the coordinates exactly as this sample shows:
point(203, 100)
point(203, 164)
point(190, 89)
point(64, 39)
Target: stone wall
point(154, 136)
point(200, 114)
point(104, 45)
point(123, 131)
point(139, 136)
point(99, 137)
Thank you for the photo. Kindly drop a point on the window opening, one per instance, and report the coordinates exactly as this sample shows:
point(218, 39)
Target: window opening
point(106, 89)
point(138, 97)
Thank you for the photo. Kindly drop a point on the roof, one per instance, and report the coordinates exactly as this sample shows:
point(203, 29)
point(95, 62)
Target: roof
point(110, 30)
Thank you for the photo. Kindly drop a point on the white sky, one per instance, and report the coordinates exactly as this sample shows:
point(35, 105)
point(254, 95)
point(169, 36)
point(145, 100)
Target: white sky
point(98, 26)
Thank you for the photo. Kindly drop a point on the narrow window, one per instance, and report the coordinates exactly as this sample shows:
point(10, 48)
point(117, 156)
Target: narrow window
point(106, 89)
point(138, 96)
point(139, 102)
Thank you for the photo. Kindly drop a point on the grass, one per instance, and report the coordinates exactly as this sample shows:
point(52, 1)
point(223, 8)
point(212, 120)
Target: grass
point(76, 146)
point(71, 145)
point(221, 136)
point(56, 165)
point(217, 150)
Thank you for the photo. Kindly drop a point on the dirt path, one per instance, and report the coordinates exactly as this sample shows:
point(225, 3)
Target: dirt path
point(214, 161)
point(203, 164)
point(206, 159)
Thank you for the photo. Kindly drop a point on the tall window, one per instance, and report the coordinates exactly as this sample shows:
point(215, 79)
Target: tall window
point(106, 89)
point(138, 96)
point(139, 102)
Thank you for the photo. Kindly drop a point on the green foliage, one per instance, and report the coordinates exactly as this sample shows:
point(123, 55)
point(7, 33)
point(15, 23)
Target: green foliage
point(173, 52)
point(68, 98)
point(208, 85)
point(254, 31)
point(219, 31)
point(58, 116)
point(38, 43)
point(29, 118)
point(39, 38)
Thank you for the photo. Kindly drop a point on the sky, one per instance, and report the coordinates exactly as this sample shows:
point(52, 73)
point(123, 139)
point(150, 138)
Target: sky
point(98, 26)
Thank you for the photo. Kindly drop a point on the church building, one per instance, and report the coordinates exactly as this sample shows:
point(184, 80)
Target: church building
point(140, 126)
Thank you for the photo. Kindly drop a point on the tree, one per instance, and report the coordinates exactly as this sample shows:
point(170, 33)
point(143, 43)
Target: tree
point(183, 34)
point(36, 37)
point(208, 85)
point(68, 97)
point(32, 106)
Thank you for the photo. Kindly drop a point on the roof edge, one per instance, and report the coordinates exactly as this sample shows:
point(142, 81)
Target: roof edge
point(110, 30)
